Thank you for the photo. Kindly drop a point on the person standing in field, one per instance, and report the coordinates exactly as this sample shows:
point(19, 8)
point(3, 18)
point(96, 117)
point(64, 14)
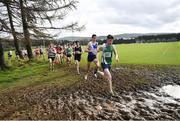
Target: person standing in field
point(42, 53)
point(69, 51)
point(10, 55)
point(51, 56)
point(106, 60)
point(77, 55)
point(92, 55)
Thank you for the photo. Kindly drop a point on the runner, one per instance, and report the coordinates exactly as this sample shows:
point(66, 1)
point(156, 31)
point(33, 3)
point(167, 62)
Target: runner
point(10, 55)
point(92, 55)
point(107, 52)
point(61, 54)
point(59, 49)
point(24, 53)
point(77, 55)
point(51, 56)
point(65, 52)
point(37, 52)
point(41, 50)
point(17, 55)
point(69, 51)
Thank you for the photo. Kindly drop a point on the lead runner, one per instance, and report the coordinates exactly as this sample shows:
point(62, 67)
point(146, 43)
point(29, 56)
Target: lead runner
point(107, 53)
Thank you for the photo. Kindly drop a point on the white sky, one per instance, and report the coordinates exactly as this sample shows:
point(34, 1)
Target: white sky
point(104, 17)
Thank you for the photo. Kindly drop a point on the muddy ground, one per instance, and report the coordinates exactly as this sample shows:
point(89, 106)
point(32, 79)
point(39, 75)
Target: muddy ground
point(138, 97)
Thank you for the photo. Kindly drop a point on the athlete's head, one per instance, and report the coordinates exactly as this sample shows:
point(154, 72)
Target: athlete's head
point(77, 43)
point(110, 39)
point(51, 45)
point(69, 45)
point(93, 37)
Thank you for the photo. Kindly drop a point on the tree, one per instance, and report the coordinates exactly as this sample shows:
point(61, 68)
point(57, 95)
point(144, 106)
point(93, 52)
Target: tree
point(42, 12)
point(25, 30)
point(7, 23)
point(7, 3)
point(2, 63)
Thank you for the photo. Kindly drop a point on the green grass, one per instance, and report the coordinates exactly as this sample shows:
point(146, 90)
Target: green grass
point(156, 53)
point(23, 73)
point(13, 75)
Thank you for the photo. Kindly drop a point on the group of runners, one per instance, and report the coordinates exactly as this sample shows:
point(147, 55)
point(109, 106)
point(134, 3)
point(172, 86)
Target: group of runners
point(58, 54)
point(107, 49)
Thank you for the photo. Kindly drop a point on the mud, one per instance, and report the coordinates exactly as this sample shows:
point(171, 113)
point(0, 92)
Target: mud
point(139, 96)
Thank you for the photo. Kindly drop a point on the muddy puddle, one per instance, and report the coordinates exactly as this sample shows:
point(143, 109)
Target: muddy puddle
point(172, 90)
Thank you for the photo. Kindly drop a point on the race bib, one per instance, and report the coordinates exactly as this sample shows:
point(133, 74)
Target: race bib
point(107, 54)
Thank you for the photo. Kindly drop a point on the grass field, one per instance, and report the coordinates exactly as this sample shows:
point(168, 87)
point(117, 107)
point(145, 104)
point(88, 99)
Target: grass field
point(156, 53)
point(23, 73)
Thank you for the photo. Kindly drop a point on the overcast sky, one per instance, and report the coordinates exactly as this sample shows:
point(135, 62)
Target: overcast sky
point(104, 17)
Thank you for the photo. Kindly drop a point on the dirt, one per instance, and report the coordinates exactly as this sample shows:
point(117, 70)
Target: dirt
point(137, 97)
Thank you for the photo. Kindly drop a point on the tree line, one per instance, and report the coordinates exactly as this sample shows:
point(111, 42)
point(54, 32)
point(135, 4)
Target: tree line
point(141, 39)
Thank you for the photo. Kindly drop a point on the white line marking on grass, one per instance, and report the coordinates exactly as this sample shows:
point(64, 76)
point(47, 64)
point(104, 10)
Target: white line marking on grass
point(165, 51)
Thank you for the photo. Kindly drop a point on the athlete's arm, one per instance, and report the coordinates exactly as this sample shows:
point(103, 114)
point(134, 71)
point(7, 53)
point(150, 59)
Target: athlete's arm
point(100, 48)
point(74, 52)
point(54, 50)
point(81, 50)
point(87, 48)
point(115, 53)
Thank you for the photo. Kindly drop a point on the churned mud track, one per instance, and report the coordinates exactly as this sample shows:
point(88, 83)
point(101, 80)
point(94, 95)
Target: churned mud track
point(137, 97)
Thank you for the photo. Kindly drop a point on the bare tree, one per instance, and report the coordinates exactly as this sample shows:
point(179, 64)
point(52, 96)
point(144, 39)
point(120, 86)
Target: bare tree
point(48, 11)
point(25, 30)
point(7, 23)
point(7, 3)
point(2, 62)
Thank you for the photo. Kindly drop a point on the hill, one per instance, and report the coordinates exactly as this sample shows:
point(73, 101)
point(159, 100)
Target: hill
point(125, 35)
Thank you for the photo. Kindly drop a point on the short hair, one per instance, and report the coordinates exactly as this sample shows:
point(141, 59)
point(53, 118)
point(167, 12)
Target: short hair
point(76, 42)
point(94, 35)
point(110, 37)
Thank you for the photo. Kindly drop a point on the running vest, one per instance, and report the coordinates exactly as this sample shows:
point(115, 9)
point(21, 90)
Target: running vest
point(107, 54)
point(51, 52)
point(93, 48)
point(69, 51)
point(78, 49)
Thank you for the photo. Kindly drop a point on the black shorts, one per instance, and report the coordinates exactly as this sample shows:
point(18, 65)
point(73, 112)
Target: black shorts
point(9, 56)
point(77, 57)
point(52, 58)
point(91, 57)
point(69, 56)
point(106, 66)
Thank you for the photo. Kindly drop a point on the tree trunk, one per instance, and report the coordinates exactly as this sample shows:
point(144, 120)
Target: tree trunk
point(2, 62)
point(25, 30)
point(13, 30)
